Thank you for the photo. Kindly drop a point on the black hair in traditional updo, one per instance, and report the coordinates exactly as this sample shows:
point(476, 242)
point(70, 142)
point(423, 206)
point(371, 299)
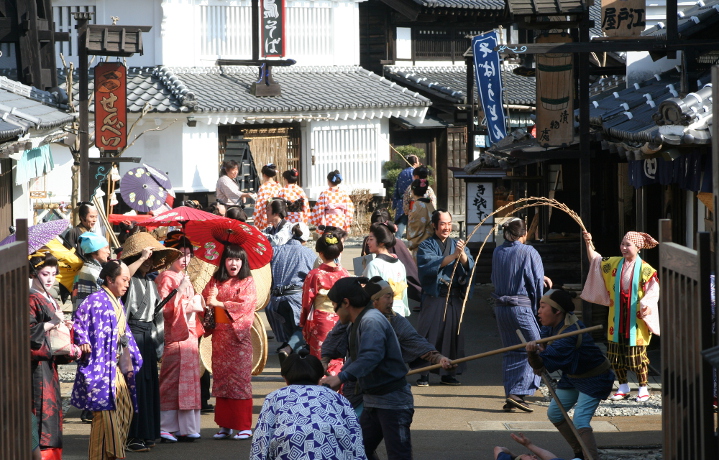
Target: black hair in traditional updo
point(421, 171)
point(335, 177)
point(291, 176)
point(564, 299)
point(436, 215)
point(269, 170)
point(352, 289)
point(514, 229)
point(236, 213)
point(83, 208)
point(379, 215)
point(278, 206)
point(419, 187)
point(40, 261)
point(110, 271)
point(384, 233)
point(302, 368)
point(330, 245)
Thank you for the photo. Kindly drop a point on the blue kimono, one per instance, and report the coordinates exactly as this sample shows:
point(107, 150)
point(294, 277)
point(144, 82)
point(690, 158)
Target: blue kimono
point(434, 279)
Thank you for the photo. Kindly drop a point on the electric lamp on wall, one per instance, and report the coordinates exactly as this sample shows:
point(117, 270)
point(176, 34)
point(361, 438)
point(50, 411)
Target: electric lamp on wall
point(191, 122)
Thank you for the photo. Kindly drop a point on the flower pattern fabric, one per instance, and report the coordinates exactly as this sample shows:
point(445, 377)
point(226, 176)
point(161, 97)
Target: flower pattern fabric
point(292, 193)
point(333, 208)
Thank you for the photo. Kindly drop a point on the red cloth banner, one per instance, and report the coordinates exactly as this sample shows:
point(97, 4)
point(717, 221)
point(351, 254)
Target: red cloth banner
point(110, 106)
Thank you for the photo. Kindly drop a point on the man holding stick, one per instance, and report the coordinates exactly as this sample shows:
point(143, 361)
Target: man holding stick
point(445, 267)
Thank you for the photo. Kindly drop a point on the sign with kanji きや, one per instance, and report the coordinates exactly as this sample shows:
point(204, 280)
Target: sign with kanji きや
point(110, 106)
point(273, 28)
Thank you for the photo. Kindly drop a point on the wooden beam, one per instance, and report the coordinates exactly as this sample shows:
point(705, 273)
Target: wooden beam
point(408, 9)
point(600, 46)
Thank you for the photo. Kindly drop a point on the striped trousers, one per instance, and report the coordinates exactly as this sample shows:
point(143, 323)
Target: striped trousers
point(518, 377)
point(108, 432)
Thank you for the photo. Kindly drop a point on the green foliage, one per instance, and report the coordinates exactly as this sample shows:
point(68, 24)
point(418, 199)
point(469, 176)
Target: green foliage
point(396, 164)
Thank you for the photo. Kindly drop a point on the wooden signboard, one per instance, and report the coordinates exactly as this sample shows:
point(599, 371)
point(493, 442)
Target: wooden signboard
point(623, 18)
point(555, 94)
point(110, 106)
point(273, 28)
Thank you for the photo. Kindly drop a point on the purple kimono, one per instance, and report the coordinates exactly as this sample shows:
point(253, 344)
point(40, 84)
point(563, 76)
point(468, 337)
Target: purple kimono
point(96, 324)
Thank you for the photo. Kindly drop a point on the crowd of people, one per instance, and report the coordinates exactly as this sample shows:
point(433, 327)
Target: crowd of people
point(345, 342)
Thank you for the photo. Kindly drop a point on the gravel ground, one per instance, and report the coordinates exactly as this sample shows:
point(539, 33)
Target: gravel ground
point(632, 453)
point(623, 408)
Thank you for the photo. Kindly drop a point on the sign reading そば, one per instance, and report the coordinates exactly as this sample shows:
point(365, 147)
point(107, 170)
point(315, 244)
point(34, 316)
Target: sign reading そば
point(110, 106)
point(273, 28)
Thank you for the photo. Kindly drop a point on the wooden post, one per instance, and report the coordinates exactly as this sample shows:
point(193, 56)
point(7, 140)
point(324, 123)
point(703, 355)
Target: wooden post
point(585, 173)
point(470, 109)
point(82, 19)
point(715, 168)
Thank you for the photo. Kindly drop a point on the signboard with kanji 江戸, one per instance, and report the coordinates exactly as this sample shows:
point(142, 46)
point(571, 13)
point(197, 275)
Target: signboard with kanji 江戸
point(623, 18)
point(555, 94)
point(110, 106)
point(273, 28)
point(480, 204)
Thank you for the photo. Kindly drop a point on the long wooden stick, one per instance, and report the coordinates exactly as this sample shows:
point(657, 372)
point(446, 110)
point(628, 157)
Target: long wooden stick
point(548, 382)
point(598, 327)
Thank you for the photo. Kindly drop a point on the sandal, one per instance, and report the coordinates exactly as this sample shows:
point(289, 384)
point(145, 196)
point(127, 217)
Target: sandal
point(519, 404)
point(642, 398)
point(244, 434)
point(222, 434)
point(619, 396)
point(167, 437)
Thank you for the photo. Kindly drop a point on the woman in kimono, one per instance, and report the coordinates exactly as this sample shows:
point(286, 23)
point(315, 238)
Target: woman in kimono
point(387, 266)
point(318, 316)
point(334, 208)
point(291, 262)
point(231, 293)
point(419, 219)
point(180, 402)
point(268, 190)
point(631, 284)
point(518, 278)
point(587, 376)
point(105, 378)
point(144, 256)
point(298, 206)
point(328, 428)
point(419, 173)
point(44, 315)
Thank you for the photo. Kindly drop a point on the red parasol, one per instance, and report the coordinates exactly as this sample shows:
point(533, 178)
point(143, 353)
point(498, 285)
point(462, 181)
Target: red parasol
point(213, 235)
point(180, 215)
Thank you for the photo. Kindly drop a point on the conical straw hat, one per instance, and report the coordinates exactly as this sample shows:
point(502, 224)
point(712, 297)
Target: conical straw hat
point(259, 348)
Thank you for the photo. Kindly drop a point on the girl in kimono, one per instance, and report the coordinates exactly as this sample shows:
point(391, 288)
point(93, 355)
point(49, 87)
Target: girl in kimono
point(44, 315)
point(587, 376)
point(334, 207)
point(298, 207)
point(318, 316)
point(419, 173)
point(231, 293)
point(180, 400)
point(268, 190)
point(386, 265)
point(329, 429)
point(630, 284)
point(419, 219)
point(105, 378)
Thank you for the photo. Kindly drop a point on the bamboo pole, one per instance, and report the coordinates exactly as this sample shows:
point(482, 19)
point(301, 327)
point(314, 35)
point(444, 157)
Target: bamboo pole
point(505, 349)
point(548, 382)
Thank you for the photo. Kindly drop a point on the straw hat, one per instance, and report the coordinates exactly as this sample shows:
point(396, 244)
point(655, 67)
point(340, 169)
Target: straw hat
point(162, 257)
point(259, 348)
point(201, 272)
point(263, 285)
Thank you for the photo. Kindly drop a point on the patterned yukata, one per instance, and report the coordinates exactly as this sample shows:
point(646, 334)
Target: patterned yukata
point(307, 421)
point(408, 199)
point(180, 401)
point(318, 316)
point(265, 193)
point(105, 380)
point(291, 263)
point(333, 208)
point(47, 401)
point(293, 193)
point(86, 282)
point(518, 278)
point(419, 223)
point(390, 269)
point(232, 351)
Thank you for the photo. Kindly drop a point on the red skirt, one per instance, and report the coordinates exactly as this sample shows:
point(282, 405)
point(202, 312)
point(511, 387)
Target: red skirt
point(233, 413)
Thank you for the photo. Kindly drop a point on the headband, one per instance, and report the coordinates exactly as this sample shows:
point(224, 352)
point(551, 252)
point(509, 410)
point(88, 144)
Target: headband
point(91, 242)
point(641, 240)
point(569, 318)
point(383, 286)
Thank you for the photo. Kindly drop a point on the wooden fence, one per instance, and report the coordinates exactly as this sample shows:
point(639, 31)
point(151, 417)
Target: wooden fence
point(687, 389)
point(15, 383)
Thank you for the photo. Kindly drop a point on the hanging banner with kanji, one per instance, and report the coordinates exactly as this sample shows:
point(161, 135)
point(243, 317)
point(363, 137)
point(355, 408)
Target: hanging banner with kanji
point(110, 106)
point(555, 94)
point(273, 28)
point(623, 18)
point(488, 72)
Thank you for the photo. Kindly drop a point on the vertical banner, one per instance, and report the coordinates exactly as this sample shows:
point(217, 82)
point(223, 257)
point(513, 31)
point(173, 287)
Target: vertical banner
point(487, 71)
point(273, 28)
point(110, 106)
point(555, 94)
point(480, 204)
point(623, 18)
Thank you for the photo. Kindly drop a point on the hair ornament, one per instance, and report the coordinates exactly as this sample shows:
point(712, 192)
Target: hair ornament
point(331, 239)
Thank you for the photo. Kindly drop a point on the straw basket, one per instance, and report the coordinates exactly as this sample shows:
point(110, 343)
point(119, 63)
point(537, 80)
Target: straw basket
point(259, 348)
point(200, 273)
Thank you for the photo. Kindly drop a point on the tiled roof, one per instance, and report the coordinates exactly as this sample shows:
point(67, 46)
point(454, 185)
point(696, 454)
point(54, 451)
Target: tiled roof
point(545, 7)
point(227, 89)
point(450, 83)
point(464, 4)
point(24, 108)
point(691, 21)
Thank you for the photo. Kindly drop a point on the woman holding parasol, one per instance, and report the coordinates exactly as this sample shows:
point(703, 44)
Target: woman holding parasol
point(144, 256)
point(630, 288)
point(180, 401)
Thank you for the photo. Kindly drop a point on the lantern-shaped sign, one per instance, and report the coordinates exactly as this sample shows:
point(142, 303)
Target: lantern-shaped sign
point(110, 106)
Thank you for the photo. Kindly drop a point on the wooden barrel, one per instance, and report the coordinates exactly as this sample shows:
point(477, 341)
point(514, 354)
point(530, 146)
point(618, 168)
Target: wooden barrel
point(554, 80)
